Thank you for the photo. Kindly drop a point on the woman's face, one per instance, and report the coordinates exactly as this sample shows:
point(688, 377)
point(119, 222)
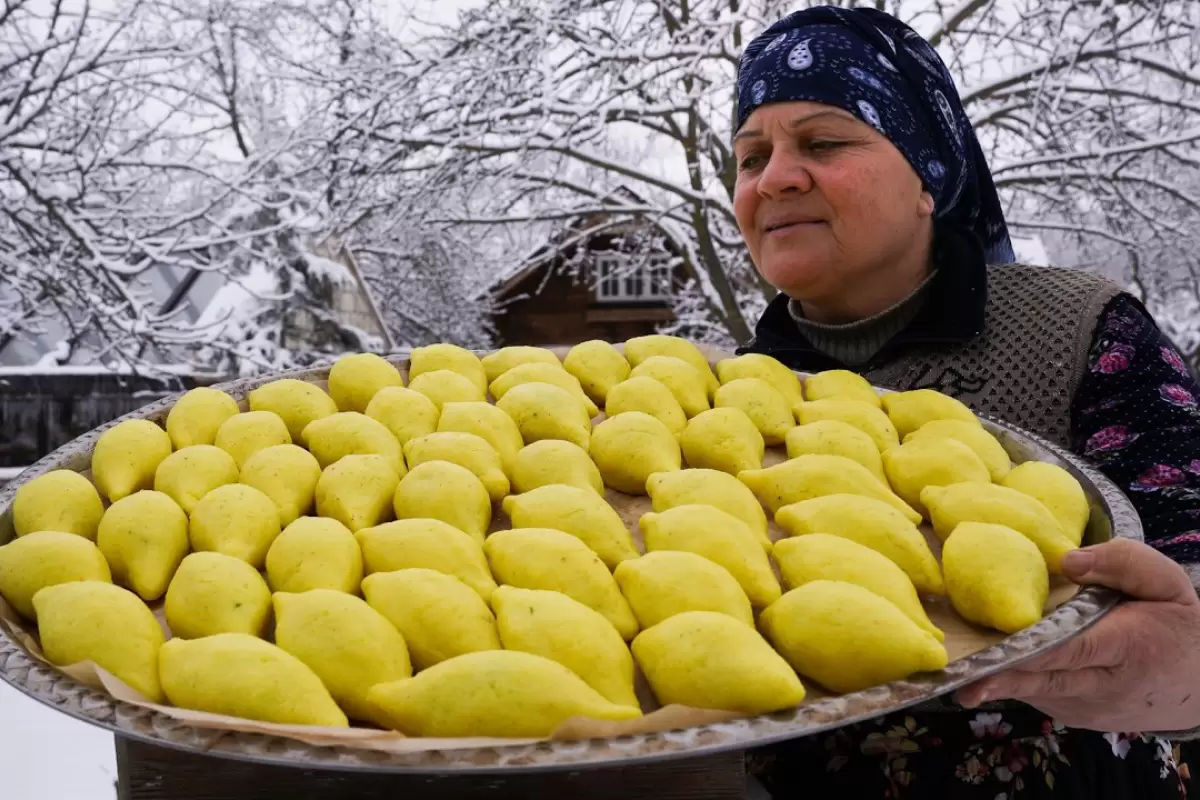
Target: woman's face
point(832, 212)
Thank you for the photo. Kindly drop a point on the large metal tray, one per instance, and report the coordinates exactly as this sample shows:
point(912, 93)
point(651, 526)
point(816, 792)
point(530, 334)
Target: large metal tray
point(1112, 515)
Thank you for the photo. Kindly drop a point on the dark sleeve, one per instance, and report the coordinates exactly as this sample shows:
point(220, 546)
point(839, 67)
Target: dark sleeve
point(1135, 416)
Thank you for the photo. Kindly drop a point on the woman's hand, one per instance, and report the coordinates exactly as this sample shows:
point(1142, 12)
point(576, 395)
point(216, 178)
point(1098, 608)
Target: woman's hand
point(1137, 669)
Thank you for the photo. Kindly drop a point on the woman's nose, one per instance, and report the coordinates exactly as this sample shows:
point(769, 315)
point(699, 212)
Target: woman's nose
point(785, 173)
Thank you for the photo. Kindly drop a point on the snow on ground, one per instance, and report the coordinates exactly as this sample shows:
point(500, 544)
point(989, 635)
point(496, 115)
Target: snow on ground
point(46, 755)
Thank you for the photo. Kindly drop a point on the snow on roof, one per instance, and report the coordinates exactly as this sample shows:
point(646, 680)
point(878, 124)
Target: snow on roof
point(334, 272)
point(239, 297)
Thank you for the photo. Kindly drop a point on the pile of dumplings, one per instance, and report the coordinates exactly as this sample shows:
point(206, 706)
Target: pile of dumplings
point(402, 552)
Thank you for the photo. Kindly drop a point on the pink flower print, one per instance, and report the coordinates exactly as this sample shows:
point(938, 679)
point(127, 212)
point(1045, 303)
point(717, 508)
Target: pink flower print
point(1127, 326)
point(989, 726)
point(1193, 466)
point(1171, 357)
point(1183, 538)
point(1177, 395)
point(1159, 476)
point(1106, 440)
point(1116, 359)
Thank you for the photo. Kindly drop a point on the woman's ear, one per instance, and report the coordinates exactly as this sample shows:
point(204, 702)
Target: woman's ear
point(925, 204)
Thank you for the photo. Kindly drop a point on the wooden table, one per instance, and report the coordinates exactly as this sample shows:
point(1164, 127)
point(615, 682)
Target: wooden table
point(146, 772)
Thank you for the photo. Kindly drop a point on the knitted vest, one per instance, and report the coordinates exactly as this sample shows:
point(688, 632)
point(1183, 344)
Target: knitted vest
point(1025, 367)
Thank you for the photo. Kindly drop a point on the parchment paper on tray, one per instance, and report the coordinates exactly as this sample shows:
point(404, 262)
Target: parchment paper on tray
point(962, 639)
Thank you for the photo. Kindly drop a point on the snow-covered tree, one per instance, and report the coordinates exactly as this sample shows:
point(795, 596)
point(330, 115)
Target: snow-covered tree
point(1088, 112)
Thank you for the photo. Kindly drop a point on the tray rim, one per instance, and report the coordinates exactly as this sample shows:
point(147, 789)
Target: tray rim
point(95, 707)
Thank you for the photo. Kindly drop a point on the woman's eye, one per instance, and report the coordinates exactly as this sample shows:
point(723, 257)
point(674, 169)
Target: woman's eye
point(824, 145)
point(750, 161)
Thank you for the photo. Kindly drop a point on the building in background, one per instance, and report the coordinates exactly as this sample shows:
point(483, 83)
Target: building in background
point(45, 403)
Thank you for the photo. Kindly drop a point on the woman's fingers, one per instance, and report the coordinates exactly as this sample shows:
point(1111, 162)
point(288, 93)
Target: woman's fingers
point(1134, 568)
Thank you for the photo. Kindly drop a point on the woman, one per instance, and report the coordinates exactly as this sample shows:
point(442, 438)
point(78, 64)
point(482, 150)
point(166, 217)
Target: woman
point(864, 197)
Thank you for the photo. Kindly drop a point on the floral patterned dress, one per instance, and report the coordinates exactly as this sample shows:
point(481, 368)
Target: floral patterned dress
point(1136, 416)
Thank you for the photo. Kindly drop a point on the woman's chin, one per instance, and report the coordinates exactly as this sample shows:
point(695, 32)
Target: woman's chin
point(797, 279)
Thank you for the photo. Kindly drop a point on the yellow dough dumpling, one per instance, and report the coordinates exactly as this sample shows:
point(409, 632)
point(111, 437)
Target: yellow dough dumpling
point(582, 513)
point(598, 366)
point(766, 407)
point(439, 616)
point(554, 375)
point(405, 412)
point(358, 491)
point(236, 520)
point(347, 643)
point(723, 439)
point(834, 438)
point(840, 384)
point(47, 558)
point(630, 447)
point(1057, 490)
point(757, 365)
point(668, 582)
point(974, 436)
point(506, 358)
point(487, 422)
point(446, 491)
point(823, 556)
point(501, 693)
point(848, 638)
point(705, 659)
point(986, 502)
point(213, 593)
point(931, 462)
point(562, 629)
point(296, 402)
point(443, 356)
point(127, 455)
point(541, 558)
point(196, 416)
point(188, 474)
point(286, 473)
point(872, 523)
point(544, 411)
point(466, 450)
point(355, 379)
point(240, 676)
point(60, 500)
point(98, 622)
point(721, 538)
point(817, 475)
point(443, 386)
point(709, 487)
point(144, 537)
point(426, 544)
point(552, 461)
point(908, 411)
point(649, 397)
point(685, 381)
point(315, 553)
point(995, 576)
point(864, 416)
point(245, 434)
point(351, 433)
point(642, 348)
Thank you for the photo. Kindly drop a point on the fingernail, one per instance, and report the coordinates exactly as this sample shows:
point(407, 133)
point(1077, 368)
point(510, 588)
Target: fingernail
point(1078, 562)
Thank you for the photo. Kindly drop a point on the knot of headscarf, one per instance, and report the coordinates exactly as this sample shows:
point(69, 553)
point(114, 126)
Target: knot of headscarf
point(877, 68)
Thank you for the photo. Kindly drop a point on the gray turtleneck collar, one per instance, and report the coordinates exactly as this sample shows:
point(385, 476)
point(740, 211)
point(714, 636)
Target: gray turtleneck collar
point(855, 343)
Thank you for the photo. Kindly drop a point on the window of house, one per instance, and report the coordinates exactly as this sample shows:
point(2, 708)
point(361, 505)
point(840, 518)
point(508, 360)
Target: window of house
point(619, 282)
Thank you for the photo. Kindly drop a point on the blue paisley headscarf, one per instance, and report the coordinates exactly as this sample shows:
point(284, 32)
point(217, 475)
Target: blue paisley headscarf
point(869, 63)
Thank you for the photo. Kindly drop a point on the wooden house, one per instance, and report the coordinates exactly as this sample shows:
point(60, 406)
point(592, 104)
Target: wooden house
point(614, 284)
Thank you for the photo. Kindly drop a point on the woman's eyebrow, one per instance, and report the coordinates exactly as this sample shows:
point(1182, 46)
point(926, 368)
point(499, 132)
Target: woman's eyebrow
point(757, 133)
